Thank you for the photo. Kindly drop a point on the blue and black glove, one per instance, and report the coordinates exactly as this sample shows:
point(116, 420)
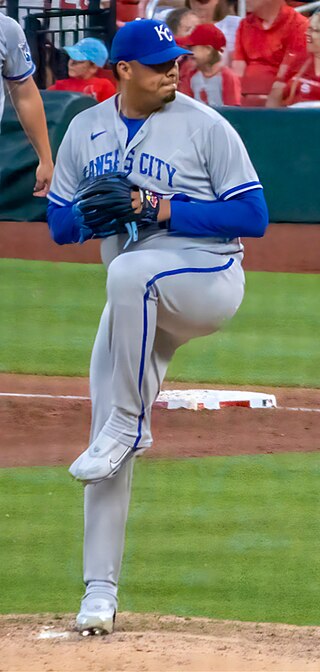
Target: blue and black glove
point(103, 207)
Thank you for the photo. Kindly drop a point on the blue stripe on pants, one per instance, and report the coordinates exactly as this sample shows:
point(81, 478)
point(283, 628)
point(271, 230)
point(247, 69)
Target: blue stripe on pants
point(149, 284)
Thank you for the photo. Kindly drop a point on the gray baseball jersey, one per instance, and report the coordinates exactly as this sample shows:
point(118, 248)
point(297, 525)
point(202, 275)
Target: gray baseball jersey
point(15, 58)
point(185, 148)
point(162, 291)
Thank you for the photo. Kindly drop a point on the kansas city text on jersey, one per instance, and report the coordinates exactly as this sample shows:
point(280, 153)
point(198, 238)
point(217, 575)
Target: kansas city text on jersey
point(143, 163)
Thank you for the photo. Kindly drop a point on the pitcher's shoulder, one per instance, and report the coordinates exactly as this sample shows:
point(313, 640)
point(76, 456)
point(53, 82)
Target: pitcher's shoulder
point(192, 110)
point(101, 111)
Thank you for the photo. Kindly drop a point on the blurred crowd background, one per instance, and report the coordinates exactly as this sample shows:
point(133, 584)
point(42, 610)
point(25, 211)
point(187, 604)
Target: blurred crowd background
point(251, 53)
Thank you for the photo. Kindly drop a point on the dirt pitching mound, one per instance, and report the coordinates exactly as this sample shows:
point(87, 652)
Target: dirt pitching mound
point(152, 643)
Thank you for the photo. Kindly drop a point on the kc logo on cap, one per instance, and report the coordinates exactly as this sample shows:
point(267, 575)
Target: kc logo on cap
point(147, 41)
point(163, 31)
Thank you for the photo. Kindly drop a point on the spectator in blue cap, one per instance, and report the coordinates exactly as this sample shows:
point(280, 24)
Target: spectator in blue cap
point(89, 49)
point(86, 58)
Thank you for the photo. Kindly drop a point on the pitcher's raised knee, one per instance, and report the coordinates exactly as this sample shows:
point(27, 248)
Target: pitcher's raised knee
point(128, 274)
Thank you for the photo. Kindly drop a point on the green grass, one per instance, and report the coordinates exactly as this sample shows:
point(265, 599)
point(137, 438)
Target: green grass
point(271, 341)
point(50, 313)
point(49, 316)
point(218, 537)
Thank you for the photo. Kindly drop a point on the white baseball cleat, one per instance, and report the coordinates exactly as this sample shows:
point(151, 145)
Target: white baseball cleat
point(101, 460)
point(96, 617)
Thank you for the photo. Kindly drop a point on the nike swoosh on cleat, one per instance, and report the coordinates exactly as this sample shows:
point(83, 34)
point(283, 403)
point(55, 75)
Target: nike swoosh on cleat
point(118, 462)
point(95, 135)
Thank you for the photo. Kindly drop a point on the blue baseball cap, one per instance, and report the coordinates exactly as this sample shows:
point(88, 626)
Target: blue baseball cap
point(145, 40)
point(89, 49)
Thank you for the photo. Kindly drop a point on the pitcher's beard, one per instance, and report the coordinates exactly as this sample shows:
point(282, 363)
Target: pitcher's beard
point(171, 96)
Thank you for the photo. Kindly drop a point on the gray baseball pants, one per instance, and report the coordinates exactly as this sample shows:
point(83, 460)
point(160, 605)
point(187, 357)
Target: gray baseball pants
point(158, 299)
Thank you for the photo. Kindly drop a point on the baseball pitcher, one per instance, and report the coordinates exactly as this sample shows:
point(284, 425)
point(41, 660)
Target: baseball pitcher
point(168, 185)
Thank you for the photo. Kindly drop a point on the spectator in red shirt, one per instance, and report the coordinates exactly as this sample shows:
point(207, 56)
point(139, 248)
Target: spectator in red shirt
point(86, 57)
point(264, 38)
point(210, 82)
point(300, 82)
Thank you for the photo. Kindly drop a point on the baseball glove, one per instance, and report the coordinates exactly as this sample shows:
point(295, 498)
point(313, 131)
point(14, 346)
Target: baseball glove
point(103, 207)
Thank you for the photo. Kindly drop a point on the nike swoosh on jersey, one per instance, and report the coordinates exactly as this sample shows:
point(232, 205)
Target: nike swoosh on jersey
point(95, 135)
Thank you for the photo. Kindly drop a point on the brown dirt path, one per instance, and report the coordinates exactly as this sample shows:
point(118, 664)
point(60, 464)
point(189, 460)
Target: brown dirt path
point(54, 431)
point(291, 248)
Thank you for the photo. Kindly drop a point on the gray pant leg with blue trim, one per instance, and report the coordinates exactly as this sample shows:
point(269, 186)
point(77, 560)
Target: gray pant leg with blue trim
point(157, 300)
point(180, 294)
point(107, 503)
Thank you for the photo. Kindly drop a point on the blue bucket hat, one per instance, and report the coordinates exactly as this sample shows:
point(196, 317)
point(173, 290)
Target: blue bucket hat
point(89, 49)
point(145, 40)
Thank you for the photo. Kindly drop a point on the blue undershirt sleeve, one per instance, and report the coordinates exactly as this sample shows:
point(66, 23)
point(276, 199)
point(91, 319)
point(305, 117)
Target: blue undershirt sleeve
point(62, 225)
point(244, 215)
